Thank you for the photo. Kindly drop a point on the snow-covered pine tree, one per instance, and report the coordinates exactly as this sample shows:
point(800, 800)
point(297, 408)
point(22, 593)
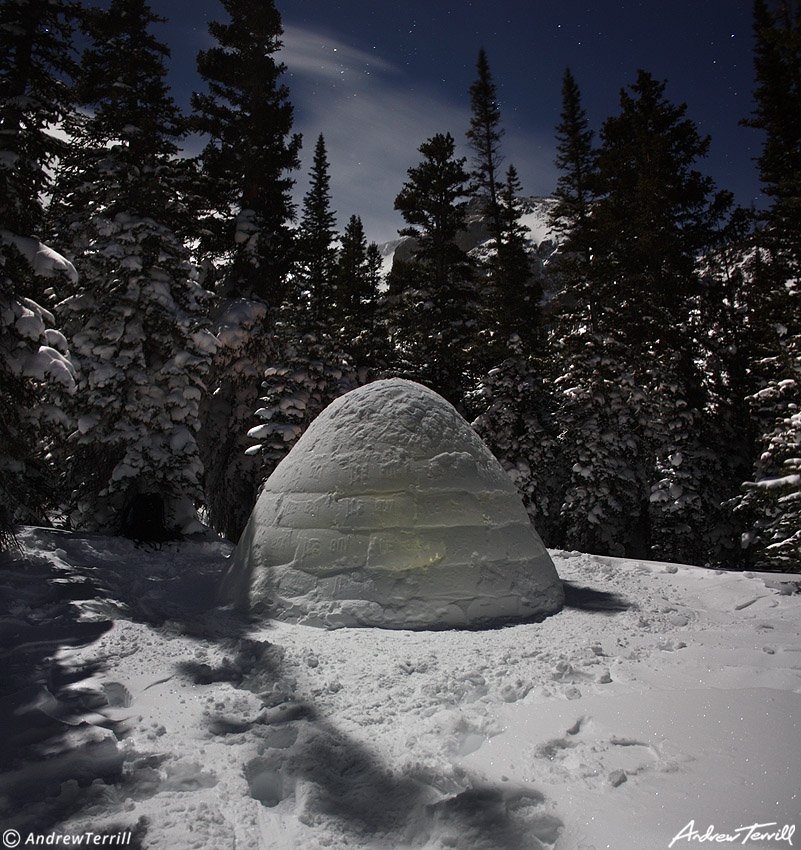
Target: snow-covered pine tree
point(630, 343)
point(517, 424)
point(599, 416)
point(308, 368)
point(136, 320)
point(246, 237)
point(36, 372)
point(691, 478)
point(36, 64)
point(307, 375)
point(771, 503)
point(433, 324)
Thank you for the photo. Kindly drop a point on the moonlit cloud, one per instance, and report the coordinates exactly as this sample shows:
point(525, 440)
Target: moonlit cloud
point(326, 58)
point(374, 118)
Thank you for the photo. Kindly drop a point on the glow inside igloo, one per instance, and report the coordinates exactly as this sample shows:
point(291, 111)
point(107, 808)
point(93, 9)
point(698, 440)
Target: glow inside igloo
point(390, 511)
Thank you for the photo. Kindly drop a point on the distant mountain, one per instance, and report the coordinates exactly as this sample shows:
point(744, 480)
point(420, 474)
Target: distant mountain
point(544, 241)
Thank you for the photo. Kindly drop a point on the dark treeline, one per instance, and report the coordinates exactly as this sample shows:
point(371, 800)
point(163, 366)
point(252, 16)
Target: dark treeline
point(170, 325)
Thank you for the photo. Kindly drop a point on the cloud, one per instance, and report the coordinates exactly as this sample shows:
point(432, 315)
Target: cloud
point(374, 117)
point(373, 120)
point(325, 57)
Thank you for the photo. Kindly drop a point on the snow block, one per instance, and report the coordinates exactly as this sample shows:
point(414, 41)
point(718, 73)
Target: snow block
point(390, 511)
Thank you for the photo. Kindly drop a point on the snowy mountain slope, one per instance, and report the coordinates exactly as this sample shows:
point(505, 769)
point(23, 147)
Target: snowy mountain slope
point(543, 240)
point(663, 699)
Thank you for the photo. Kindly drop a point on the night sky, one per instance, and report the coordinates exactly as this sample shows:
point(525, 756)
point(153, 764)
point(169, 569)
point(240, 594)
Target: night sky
point(378, 78)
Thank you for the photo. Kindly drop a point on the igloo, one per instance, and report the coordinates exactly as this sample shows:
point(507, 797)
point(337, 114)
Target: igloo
point(390, 511)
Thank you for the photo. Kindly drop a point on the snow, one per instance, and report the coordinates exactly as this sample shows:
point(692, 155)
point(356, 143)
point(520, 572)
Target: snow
point(777, 483)
point(536, 220)
point(390, 511)
point(45, 363)
point(662, 704)
point(43, 260)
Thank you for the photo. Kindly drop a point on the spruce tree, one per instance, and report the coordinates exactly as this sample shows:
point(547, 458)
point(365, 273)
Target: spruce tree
point(484, 139)
point(655, 213)
point(771, 502)
point(248, 161)
point(777, 112)
point(358, 276)
point(509, 305)
point(136, 320)
point(36, 65)
point(628, 334)
point(515, 291)
point(432, 203)
point(434, 303)
point(246, 237)
point(316, 253)
point(576, 159)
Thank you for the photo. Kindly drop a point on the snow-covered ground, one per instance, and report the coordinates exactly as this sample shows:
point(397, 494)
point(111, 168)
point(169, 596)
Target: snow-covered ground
point(661, 707)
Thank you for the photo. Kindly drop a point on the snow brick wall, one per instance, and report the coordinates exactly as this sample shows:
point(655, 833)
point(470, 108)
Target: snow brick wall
point(390, 511)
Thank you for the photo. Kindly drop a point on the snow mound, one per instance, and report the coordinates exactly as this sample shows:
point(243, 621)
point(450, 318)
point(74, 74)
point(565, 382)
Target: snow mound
point(390, 511)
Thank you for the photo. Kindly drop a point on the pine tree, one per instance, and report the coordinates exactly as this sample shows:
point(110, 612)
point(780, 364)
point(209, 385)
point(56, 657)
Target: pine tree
point(316, 253)
point(250, 155)
point(36, 64)
point(246, 235)
point(642, 421)
point(601, 412)
point(307, 374)
point(515, 292)
point(576, 159)
point(655, 213)
point(433, 294)
point(777, 112)
point(358, 276)
point(771, 502)
point(432, 204)
point(516, 421)
point(36, 372)
point(136, 320)
point(484, 139)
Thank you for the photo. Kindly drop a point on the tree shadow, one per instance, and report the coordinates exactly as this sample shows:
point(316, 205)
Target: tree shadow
point(323, 776)
point(43, 708)
point(62, 752)
point(63, 590)
point(317, 774)
point(599, 601)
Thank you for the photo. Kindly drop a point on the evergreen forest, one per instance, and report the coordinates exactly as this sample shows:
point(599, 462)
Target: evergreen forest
point(171, 324)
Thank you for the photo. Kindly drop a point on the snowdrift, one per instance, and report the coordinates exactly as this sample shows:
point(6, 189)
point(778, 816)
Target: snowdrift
point(390, 511)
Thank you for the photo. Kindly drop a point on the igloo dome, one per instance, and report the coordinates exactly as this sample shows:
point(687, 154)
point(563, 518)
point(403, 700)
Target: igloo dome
point(390, 511)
